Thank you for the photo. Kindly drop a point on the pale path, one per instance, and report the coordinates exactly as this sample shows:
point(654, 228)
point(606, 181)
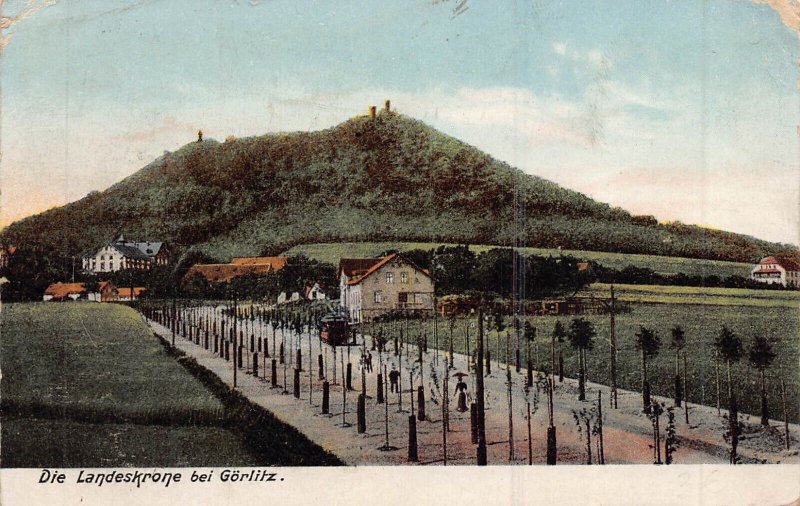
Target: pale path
point(627, 432)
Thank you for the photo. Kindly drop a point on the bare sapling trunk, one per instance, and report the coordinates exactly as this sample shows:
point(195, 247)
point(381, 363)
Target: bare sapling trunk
point(716, 373)
point(678, 393)
point(764, 407)
point(581, 377)
point(645, 384)
point(685, 391)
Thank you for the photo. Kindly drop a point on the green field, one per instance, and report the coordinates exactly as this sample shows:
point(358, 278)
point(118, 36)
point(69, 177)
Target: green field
point(701, 323)
point(89, 385)
point(697, 295)
point(663, 265)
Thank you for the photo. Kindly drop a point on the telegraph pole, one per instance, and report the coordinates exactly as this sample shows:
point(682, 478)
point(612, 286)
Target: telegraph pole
point(613, 351)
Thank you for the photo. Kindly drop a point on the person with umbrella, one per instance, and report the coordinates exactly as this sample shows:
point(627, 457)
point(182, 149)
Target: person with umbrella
point(461, 391)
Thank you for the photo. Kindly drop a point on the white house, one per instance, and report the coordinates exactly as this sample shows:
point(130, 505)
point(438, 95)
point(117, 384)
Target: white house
point(371, 287)
point(776, 270)
point(122, 254)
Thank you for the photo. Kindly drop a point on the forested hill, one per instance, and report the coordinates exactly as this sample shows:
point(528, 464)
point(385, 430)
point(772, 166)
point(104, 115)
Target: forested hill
point(391, 178)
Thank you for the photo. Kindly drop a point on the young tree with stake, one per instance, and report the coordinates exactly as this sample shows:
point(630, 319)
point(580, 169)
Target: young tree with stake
point(648, 343)
point(761, 357)
point(729, 347)
point(678, 343)
point(559, 333)
point(581, 337)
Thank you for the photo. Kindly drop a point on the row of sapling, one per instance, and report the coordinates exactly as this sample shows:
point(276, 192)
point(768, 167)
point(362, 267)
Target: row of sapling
point(728, 347)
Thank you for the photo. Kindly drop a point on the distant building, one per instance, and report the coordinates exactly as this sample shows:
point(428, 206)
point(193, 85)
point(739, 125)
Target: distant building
point(776, 270)
point(124, 293)
point(239, 266)
point(371, 287)
point(313, 292)
point(105, 292)
point(123, 254)
point(277, 263)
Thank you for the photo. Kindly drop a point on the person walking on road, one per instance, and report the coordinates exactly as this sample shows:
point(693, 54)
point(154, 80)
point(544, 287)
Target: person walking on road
point(394, 377)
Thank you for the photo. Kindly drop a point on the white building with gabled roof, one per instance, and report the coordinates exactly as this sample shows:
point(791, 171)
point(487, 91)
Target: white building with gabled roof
point(123, 254)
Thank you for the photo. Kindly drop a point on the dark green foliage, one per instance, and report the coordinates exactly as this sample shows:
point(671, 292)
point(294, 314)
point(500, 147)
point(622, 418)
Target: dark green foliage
point(678, 338)
point(729, 345)
point(648, 342)
point(391, 179)
point(30, 271)
point(581, 334)
point(760, 353)
point(644, 276)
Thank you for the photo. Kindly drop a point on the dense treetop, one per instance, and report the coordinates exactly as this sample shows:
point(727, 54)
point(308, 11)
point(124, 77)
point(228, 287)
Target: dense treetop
point(394, 178)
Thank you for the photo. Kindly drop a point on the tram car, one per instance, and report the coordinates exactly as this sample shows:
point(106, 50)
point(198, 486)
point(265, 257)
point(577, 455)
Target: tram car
point(334, 330)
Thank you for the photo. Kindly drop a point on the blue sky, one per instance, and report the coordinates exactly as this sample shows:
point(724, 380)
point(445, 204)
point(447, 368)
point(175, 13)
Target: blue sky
point(686, 110)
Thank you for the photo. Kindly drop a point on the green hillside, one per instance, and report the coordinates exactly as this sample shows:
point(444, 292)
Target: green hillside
point(391, 179)
point(331, 253)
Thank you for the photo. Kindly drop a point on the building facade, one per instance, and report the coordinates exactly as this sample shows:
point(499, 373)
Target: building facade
point(372, 287)
point(776, 270)
point(123, 254)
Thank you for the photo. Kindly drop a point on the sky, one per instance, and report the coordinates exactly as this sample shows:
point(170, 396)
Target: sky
point(685, 110)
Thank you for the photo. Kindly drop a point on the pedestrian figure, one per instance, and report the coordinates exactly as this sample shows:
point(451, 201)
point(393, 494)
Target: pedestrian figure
point(461, 391)
point(369, 361)
point(394, 377)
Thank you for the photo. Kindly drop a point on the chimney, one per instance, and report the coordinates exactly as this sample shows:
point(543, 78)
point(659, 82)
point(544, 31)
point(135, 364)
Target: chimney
point(387, 105)
point(372, 110)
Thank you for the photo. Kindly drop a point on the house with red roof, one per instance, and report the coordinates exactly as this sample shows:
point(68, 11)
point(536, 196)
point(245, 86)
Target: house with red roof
point(104, 292)
point(777, 270)
point(372, 287)
point(238, 267)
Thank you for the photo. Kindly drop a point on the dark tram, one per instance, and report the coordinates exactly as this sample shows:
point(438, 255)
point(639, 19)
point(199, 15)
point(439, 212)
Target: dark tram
point(333, 330)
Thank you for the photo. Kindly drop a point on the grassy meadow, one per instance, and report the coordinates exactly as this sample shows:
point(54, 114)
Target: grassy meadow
point(89, 385)
point(661, 264)
point(701, 322)
point(697, 295)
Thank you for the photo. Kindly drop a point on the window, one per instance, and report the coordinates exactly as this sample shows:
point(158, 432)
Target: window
point(102, 257)
point(102, 266)
point(389, 278)
point(404, 277)
point(402, 297)
point(376, 297)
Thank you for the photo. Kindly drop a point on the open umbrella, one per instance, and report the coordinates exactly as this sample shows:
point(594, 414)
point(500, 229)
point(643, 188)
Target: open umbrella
point(460, 374)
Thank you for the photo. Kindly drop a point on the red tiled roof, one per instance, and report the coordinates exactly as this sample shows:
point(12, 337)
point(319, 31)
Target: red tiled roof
point(126, 292)
point(217, 273)
point(63, 289)
point(277, 263)
point(786, 263)
point(357, 276)
point(356, 266)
